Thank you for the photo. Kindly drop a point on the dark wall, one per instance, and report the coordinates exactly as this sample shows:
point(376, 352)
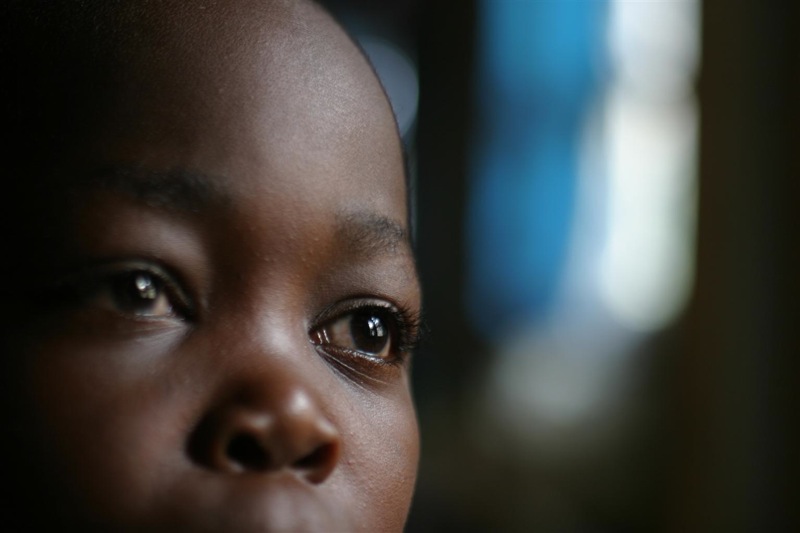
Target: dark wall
point(738, 382)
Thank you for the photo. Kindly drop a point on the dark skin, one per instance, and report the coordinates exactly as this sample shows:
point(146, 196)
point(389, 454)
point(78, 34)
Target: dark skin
point(214, 328)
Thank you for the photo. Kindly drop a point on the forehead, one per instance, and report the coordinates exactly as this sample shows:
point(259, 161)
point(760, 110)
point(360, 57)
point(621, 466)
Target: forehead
point(267, 94)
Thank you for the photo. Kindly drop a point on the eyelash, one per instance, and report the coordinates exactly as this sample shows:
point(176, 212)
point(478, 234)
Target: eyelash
point(405, 330)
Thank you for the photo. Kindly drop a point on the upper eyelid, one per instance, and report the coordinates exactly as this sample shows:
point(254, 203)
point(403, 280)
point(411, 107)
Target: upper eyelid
point(101, 272)
point(349, 305)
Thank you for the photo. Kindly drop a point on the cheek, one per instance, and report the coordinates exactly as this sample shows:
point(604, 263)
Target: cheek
point(99, 426)
point(380, 458)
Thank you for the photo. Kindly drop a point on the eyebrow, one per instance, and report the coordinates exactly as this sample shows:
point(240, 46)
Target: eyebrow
point(371, 233)
point(177, 188)
point(187, 190)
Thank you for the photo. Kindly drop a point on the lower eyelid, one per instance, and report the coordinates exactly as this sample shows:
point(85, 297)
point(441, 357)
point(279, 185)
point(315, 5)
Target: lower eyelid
point(363, 370)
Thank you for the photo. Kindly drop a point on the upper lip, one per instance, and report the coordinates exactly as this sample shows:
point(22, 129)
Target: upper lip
point(278, 501)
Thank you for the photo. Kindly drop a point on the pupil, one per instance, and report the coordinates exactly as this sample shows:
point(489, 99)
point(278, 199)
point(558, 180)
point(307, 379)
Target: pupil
point(136, 292)
point(369, 333)
point(145, 288)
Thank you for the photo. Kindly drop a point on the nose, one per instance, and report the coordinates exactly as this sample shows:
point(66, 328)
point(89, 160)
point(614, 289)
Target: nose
point(267, 428)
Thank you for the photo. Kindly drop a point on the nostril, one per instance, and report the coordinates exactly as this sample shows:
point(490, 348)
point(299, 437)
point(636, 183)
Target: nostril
point(320, 455)
point(246, 452)
point(318, 464)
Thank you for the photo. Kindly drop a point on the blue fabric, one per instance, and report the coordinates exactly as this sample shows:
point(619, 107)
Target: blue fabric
point(538, 71)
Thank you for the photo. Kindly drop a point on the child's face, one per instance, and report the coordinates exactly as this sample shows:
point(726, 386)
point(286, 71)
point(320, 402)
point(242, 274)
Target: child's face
point(221, 319)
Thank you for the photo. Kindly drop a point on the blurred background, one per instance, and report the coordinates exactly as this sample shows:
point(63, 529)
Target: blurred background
point(606, 207)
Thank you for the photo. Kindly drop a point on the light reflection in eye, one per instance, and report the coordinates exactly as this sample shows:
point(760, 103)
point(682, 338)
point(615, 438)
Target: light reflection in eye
point(145, 286)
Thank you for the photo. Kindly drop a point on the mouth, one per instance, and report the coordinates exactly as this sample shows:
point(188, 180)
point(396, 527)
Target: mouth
point(258, 503)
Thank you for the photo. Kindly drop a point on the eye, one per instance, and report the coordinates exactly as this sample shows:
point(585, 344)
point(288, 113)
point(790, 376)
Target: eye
point(369, 331)
point(136, 290)
point(139, 293)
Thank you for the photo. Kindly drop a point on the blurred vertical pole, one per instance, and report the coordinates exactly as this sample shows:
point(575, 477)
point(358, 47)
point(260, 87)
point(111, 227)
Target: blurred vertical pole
point(738, 379)
point(445, 50)
point(445, 66)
